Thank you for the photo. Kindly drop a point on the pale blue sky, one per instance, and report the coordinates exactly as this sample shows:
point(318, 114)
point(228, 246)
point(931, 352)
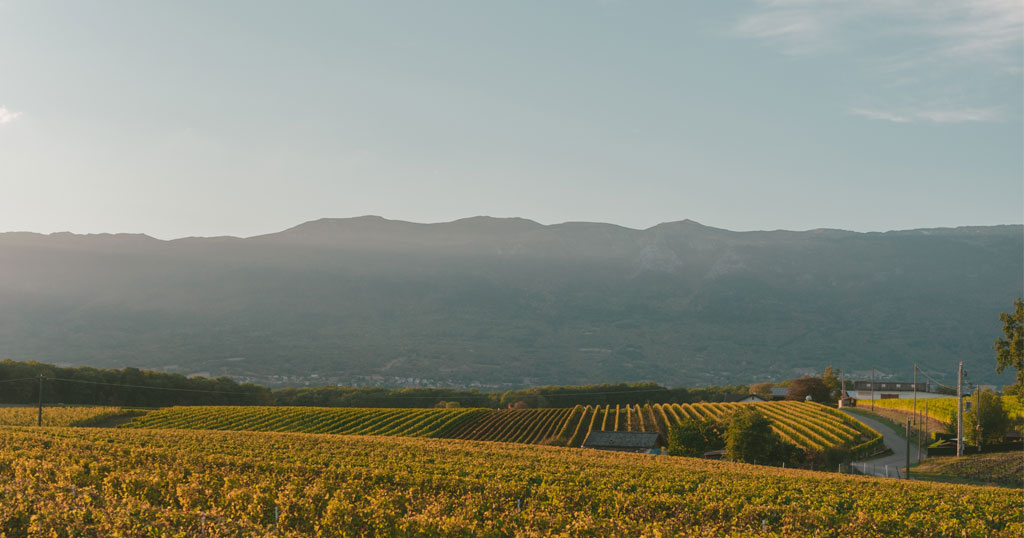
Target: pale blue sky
point(241, 118)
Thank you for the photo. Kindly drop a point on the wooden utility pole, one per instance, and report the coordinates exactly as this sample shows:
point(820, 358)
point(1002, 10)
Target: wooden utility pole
point(920, 426)
point(842, 386)
point(915, 393)
point(39, 419)
point(872, 389)
point(927, 435)
point(907, 475)
point(977, 415)
point(917, 419)
point(960, 410)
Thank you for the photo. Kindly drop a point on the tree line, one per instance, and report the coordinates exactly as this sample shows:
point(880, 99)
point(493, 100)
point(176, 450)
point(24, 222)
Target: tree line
point(131, 387)
point(531, 398)
point(127, 387)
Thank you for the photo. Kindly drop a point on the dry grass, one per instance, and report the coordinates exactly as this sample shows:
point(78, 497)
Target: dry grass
point(997, 469)
point(926, 427)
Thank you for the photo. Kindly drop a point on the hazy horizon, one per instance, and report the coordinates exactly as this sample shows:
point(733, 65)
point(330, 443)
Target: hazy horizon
point(112, 232)
point(245, 118)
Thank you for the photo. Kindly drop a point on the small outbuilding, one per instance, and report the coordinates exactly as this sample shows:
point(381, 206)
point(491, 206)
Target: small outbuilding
point(638, 442)
point(744, 398)
point(847, 401)
point(715, 454)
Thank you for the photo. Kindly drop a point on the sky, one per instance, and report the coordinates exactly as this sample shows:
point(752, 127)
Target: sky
point(206, 118)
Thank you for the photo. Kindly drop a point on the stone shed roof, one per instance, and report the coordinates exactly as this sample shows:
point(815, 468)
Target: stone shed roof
point(623, 440)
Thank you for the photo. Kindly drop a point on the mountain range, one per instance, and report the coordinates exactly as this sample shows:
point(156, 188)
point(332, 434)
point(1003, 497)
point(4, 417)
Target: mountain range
point(505, 303)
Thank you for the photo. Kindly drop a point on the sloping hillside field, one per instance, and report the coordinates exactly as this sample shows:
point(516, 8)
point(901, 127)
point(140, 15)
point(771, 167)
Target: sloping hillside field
point(808, 425)
point(131, 482)
point(943, 408)
point(56, 416)
point(336, 420)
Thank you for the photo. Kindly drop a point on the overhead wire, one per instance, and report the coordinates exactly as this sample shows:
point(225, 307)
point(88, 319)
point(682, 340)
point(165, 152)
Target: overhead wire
point(19, 379)
point(145, 386)
point(651, 391)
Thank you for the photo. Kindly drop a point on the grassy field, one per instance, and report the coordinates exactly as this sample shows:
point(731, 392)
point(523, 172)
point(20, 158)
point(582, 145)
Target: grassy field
point(805, 424)
point(897, 420)
point(168, 483)
point(999, 469)
point(942, 409)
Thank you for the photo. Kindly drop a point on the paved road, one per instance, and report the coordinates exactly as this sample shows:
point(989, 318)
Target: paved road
point(896, 461)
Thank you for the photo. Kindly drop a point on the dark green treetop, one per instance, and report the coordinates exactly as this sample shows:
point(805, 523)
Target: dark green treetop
point(1010, 347)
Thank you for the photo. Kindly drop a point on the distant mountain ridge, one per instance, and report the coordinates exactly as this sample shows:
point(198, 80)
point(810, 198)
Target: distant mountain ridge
point(505, 303)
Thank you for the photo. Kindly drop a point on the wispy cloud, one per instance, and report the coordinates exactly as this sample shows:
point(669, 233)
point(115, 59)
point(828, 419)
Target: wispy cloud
point(959, 115)
point(965, 28)
point(918, 51)
point(881, 115)
point(791, 27)
point(793, 32)
point(7, 116)
point(933, 115)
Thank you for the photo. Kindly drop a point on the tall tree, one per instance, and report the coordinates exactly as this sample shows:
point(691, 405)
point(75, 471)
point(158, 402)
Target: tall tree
point(800, 389)
point(989, 416)
point(831, 380)
point(762, 389)
point(1010, 347)
point(750, 438)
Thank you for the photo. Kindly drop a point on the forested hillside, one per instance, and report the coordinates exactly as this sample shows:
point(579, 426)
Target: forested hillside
point(506, 303)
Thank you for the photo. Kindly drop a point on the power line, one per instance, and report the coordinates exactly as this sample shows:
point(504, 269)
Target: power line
point(932, 379)
point(19, 379)
point(147, 386)
point(520, 392)
point(646, 392)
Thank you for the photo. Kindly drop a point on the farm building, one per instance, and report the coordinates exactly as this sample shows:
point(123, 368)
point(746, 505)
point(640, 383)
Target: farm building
point(881, 394)
point(639, 442)
point(744, 398)
point(889, 386)
point(847, 401)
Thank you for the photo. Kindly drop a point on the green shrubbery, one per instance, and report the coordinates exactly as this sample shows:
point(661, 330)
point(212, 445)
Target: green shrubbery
point(747, 436)
point(693, 437)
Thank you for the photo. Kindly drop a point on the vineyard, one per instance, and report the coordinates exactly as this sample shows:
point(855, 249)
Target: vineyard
point(56, 416)
point(942, 409)
point(808, 425)
point(333, 420)
point(129, 482)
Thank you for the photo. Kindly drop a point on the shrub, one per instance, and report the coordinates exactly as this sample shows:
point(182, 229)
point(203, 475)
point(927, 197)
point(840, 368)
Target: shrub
point(749, 437)
point(693, 438)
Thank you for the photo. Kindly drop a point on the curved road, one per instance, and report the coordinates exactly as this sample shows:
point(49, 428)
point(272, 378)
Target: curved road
point(896, 461)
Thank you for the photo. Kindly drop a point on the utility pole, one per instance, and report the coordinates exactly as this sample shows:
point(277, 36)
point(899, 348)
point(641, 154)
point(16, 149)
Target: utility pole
point(960, 410)
point(977, 415)
point(872, 389)
point(920, 426)
point(927, 435)
point(39, 419)
point(915, 393)
point(842, 389)
point(907, 476)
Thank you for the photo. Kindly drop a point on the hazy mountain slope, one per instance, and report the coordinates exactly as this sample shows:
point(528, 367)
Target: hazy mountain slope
point(510, 301)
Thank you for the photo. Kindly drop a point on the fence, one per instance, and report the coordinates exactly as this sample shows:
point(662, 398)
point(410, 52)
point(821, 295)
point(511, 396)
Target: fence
point(935, 450)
